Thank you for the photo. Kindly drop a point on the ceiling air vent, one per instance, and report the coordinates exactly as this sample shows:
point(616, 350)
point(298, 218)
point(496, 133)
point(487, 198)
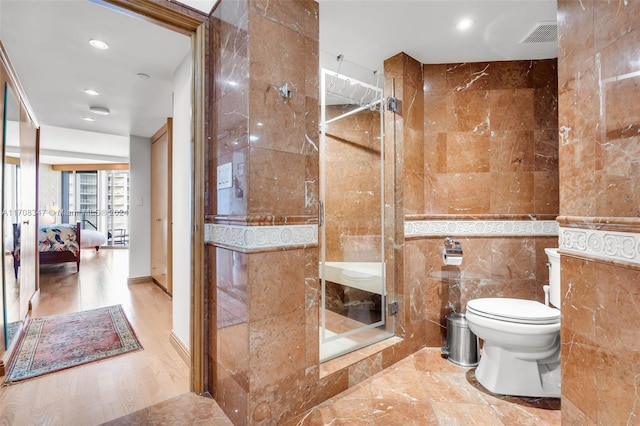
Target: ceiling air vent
point(542, 32)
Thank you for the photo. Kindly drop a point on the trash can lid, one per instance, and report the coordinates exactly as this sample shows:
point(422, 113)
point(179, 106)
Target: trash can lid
point(457, 319)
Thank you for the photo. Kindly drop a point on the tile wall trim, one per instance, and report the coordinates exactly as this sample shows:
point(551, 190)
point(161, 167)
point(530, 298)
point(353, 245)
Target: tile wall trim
point(480, 228)
point(601, 244)
point(260, 238)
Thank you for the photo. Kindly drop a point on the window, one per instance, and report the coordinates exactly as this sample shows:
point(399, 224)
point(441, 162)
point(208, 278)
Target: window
point(100, 201)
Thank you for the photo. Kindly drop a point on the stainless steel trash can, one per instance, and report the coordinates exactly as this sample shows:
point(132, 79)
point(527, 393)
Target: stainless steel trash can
point(462, 344)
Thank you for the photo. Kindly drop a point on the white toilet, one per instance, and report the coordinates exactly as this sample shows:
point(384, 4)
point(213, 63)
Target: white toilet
point(521, 352)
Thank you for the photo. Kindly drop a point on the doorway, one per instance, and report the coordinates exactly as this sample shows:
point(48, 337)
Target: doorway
point(186, 22)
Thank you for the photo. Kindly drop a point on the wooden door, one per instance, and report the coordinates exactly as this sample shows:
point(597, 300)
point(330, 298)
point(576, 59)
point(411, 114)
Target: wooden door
point(28, 205)
point(161, 207)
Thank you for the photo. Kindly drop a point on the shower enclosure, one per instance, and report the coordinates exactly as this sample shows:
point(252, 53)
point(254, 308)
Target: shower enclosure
point(353, 311)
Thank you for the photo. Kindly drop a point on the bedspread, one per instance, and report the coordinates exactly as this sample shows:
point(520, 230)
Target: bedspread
point(58, 237)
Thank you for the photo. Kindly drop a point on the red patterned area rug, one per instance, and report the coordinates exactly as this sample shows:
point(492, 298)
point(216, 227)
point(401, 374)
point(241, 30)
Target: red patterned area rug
point(63, 341)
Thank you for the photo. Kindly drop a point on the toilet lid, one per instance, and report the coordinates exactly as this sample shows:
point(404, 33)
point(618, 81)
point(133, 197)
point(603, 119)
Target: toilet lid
point(514, 310)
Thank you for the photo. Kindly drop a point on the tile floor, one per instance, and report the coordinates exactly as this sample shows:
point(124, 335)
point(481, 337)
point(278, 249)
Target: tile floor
point(422, 389)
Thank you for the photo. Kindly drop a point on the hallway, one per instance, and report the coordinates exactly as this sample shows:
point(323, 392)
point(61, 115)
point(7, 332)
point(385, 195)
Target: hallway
point(104, 390)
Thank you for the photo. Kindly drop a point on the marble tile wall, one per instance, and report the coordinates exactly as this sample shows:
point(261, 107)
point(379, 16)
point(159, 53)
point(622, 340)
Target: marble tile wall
point(599, 77)
point(490, 136)
point(262, 302)
point(489, 152)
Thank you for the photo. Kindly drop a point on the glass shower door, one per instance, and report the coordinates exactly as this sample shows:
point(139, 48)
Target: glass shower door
point(352, 262)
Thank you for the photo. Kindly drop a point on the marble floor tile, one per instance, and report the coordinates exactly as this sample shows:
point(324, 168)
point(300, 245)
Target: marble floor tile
point(426, 389)
point(421, 390)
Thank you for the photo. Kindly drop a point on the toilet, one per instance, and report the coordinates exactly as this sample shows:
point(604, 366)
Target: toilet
point(521, 351)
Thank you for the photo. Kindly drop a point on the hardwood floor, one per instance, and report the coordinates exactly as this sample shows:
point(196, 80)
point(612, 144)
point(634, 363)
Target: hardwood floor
point(104, 390)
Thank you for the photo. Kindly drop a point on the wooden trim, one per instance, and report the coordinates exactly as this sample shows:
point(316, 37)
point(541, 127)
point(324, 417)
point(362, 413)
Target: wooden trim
point(14, 82)
point(176, 17)
point(170, 206)
point(198, 284)
point(12, 160)
point(180, 347)
point(89, 167)
point(139, 280)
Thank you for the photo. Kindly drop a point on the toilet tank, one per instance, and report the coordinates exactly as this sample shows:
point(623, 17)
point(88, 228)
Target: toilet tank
point(554, 276)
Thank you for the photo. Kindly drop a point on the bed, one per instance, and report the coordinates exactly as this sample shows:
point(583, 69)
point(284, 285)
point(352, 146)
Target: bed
point(57, 243)
point(92, 238)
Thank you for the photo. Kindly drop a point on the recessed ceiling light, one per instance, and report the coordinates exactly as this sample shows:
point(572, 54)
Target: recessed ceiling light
point(98, 44)
point(464, 24)
point(99, 110)
point(91, 92)
point(88, 119)
point(143, 76)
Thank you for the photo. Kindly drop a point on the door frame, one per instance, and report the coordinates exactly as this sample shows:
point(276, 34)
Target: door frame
point(194, 24)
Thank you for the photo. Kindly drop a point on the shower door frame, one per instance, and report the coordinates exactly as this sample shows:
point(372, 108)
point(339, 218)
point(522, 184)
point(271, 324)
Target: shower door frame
point(324, 338)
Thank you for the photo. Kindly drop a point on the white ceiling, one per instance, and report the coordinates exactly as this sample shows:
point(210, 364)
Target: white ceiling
point(47, 41)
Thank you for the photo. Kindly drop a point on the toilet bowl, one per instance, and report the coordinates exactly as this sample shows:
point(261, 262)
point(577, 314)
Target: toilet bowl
point(521, 341)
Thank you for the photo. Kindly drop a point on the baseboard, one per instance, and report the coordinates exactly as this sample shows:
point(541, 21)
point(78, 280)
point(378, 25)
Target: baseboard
point(180, 347)
point(139, 280)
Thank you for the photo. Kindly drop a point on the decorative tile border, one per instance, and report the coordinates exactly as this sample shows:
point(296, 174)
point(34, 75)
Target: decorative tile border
point(606, 245)
point(249, 238)
point(480, 228)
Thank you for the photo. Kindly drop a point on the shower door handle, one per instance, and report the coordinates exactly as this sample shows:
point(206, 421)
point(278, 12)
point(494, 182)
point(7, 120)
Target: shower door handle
point(320, 213)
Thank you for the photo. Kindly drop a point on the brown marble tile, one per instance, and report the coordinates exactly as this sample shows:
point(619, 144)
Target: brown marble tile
point(436, 193)
point(512, 109)
point(545, 74)
point(546, 193)
point(617, 383)
point(512, 151)
point(435, 111)
point(468, 110)
point(463, 413)
point(276, 348)
point(575, 35)
point(511, 75)
point(619, 58)
point(513, 258)
point(284, 44)
point(614, 20)
point(545, 107)
point(434, 78)
point(545, 150)
point(578, 189)
point(578, 372)
point(515, 414)
point(512, 192)
point(271, 274)
point(276, 182)
point(468, 76)
point(621, 118)
point(469, 193)
point(571, 415)
point(188, 408)
point(468, 152)
point(616, 287)
point(365, 369)
point(435, 152)
point(231, 397)
point(281, 400)
point(303, 19)
point(276, 123)
point(353, 407)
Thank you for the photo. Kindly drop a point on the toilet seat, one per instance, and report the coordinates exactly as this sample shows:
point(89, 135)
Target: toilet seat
point(519, 311)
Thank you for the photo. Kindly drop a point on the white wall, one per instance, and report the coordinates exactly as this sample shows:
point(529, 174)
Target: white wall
point(139, 207)
point(181, 205)
point(49, 188)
